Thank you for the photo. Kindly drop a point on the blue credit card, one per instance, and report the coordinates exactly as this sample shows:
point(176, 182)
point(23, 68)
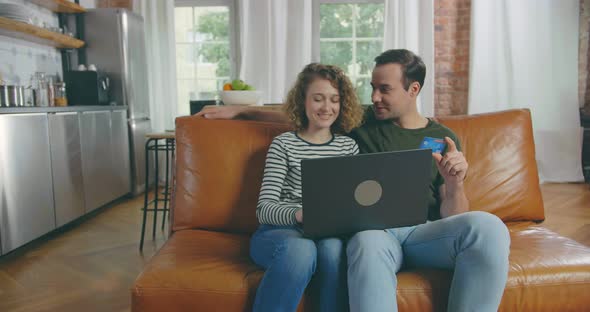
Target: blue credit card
point(436, 145)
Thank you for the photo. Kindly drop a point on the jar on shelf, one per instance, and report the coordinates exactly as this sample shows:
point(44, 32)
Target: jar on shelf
point(60, 98)
point(39, 87)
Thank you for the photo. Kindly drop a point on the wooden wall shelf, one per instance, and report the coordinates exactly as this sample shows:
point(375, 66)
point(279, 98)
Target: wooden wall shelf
point(20, 30)
point(60, 6)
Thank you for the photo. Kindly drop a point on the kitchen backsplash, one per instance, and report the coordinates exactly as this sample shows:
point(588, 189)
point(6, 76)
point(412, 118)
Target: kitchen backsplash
point(19, 59)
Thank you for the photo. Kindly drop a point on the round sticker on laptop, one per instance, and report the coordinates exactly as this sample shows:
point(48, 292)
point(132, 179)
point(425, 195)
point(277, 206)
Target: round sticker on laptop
point(368, 193)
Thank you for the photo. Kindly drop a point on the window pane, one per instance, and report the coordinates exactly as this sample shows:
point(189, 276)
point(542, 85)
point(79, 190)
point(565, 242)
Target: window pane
point(363, 90)
point(185, 61)
point(217, 55)
point(204, 64)
point(207, 89)
point(366, 52)
point(337, 53)
point(183, 24)
point(186, 91)
point(351, 36)
point(370, 20)
point(336, 20)
point(212, 23)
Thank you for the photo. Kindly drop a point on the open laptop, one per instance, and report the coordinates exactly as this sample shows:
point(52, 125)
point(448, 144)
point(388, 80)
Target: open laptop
point(345, 195)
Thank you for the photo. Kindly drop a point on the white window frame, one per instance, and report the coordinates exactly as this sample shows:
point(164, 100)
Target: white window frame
point(315, 54)
point(233, 29)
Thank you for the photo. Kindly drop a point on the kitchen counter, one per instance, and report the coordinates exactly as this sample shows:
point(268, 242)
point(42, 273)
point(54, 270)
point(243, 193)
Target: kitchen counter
point(54, 109)
point(76, 159)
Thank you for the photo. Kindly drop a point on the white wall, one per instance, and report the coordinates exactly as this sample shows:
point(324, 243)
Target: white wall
point(89, 4)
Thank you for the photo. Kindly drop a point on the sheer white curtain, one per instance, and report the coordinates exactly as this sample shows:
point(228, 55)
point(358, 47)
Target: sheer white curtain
point(409, 24)
point(275, 44)
point(160, 52)
point(524, 54)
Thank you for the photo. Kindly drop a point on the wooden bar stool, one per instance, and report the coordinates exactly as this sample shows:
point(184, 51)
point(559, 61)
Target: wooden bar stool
point(157, 142)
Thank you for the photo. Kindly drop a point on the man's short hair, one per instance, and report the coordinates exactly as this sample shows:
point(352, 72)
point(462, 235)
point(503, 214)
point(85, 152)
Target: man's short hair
point(413, 68)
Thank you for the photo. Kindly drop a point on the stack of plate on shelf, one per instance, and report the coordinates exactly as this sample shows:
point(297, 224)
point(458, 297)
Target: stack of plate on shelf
point(16, 12)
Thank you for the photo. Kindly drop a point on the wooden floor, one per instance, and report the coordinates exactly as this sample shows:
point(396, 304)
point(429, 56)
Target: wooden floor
point(567, 210)
point(91, 266)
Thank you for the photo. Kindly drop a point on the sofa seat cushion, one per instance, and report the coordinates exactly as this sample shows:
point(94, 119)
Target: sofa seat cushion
point(199, 270)
point(548, 272)
point(213, 271)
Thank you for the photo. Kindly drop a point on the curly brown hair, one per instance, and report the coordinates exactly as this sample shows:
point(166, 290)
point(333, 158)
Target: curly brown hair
point(351, 112)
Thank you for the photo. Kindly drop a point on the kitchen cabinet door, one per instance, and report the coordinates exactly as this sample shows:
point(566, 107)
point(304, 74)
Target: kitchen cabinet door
point(26, 189)
point(120, 154)
point(66, 164)
point(95, 131)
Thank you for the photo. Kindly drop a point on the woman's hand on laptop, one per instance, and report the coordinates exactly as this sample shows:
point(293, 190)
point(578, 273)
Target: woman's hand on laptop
point(299, 216)
point(453, 165)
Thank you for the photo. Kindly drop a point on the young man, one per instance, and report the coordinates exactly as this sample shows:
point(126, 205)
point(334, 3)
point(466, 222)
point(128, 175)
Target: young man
point(473, 244)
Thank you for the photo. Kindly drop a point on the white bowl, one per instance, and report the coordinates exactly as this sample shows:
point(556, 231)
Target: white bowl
point(240, 97)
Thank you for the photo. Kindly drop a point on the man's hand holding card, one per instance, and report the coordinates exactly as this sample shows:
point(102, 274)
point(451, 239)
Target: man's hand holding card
point(453, 165)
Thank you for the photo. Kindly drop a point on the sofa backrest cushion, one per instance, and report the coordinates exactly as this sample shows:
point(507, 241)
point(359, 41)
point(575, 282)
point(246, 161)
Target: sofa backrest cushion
point(219, 167)
point(502, 177)
point(220, 163)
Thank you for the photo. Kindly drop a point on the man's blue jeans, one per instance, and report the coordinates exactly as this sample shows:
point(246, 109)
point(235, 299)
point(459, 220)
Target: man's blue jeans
point(474, 244)
point(290, 260)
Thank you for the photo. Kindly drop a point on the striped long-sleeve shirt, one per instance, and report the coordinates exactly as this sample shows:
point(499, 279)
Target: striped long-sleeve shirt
point(280, 194)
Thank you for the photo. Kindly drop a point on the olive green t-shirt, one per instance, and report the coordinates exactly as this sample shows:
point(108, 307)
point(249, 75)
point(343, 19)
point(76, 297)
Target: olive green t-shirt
point(384, 136)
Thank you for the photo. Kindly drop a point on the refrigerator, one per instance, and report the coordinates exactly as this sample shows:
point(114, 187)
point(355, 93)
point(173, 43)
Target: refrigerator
point(115, 43)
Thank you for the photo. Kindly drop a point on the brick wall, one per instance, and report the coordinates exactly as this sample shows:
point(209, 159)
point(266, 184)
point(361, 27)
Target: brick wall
point(583, 63)
point(452, 20)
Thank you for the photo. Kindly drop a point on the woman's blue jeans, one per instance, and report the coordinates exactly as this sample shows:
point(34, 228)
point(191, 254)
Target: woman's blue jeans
point(290, 261)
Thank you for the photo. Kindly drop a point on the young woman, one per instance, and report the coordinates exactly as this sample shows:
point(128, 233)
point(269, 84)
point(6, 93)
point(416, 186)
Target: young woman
point(322, 105)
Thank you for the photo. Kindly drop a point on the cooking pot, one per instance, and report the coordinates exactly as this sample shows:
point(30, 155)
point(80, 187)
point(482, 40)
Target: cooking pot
point(11, 96)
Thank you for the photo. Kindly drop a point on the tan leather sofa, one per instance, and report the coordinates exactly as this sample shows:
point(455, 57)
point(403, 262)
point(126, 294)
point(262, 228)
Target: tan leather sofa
point(204, 265)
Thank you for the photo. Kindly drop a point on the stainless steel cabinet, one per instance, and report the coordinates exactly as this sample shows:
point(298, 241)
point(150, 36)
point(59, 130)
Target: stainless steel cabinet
point(140, 127)
point(55, 167)
point(105, 157)
point(26, 188)
point(95, 130)
point(120, 154)
point(66, 164)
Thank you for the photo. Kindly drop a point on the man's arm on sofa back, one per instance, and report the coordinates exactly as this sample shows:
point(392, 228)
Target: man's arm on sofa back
point(260, 113)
